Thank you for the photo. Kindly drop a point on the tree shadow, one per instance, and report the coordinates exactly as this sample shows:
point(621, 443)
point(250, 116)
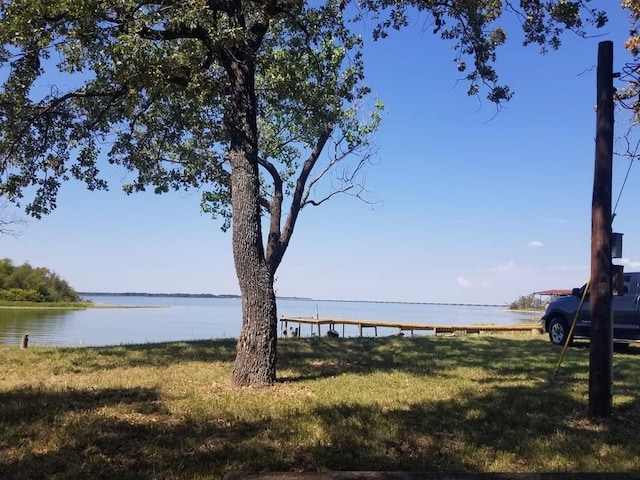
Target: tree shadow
point(87, 359)
point(314, 358)
point(35, 404)
point(523, 422)
point(304, 359)
point(466, 434)
point(318, 357)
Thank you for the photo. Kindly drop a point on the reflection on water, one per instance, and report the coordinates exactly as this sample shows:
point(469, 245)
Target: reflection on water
point(38, 323)
point(153, 320)
point(179, 318)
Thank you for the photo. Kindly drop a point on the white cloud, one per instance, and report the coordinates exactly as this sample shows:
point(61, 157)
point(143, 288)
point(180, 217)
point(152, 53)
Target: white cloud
point(536, 244)
point(466, 283)
point(509, 266)
point(629, 263)
point(566, 268)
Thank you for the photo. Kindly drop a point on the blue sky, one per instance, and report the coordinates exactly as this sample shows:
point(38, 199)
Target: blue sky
point(474, 207)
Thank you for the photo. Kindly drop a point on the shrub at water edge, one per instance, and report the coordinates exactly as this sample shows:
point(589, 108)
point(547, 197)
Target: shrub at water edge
point(25, 283)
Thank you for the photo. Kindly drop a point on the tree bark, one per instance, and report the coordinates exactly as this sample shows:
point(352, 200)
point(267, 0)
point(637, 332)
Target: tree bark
point(255, 363)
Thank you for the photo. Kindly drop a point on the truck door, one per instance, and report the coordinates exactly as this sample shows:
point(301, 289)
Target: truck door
point(583, 325)
point(626, 311)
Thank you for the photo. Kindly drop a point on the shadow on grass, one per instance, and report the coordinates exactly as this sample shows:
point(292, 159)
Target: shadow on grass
point(305, 359)
point(33, 404)
point(222, 350)
point(522, 423)
point(515, 426)
point(85, 359)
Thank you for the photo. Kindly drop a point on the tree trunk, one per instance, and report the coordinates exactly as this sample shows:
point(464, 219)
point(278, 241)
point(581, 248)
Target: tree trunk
point(255, 363)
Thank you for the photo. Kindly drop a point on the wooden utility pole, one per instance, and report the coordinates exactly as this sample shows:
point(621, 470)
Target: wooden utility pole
point(601, 347)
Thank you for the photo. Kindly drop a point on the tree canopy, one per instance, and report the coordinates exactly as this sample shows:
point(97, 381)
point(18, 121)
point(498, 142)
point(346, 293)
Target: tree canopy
point(147, 84)
point(631, 73)
point(29, 284)
point(476, 30)
point(633, 42)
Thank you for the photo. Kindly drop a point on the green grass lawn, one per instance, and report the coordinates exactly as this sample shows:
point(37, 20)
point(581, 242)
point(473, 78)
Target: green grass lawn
point(47, 305)
point(165, 411)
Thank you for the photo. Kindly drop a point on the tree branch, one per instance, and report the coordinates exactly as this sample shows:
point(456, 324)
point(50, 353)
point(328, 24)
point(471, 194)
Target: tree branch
point(278, 246)
point(274, 207)
point(9, 221)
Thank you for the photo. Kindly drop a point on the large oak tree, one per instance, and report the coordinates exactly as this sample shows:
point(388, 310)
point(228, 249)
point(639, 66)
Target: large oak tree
point(237, 98)
point(252, 101)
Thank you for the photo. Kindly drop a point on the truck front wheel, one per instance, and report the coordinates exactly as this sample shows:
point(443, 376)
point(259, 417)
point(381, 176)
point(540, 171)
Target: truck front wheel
point(558, 331)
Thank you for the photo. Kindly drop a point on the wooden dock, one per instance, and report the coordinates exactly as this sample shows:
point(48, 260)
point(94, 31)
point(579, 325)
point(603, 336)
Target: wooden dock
point(316, 324)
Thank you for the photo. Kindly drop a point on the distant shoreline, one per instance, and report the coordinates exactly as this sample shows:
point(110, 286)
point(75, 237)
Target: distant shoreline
point(145, 294)
point(302, 299)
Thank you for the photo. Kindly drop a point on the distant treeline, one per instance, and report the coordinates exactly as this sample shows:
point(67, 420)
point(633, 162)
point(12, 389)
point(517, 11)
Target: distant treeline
point(301, 299)
point(527, 302)
point(25, 283)
point(144, 294)
point(183, 295)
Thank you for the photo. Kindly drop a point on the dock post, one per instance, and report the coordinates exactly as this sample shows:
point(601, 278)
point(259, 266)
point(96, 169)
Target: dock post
point(360, 329)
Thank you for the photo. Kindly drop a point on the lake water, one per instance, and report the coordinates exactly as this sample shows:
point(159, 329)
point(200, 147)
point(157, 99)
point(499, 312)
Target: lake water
point(165, 319)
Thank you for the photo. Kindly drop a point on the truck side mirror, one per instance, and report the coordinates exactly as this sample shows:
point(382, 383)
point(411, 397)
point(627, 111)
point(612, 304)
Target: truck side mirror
point(617, 280)
point(576, 292)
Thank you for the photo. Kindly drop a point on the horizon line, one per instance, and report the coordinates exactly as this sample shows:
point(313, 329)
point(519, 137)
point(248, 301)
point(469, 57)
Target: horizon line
point(305, 299)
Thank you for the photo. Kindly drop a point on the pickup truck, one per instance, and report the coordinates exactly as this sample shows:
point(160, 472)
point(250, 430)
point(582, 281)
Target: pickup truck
point(560, 313)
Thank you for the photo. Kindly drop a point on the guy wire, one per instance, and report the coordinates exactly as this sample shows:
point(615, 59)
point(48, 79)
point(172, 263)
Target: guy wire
point(626, 178)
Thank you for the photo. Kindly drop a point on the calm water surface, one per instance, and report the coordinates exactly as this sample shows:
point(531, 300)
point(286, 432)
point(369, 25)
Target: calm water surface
point(164, 319)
